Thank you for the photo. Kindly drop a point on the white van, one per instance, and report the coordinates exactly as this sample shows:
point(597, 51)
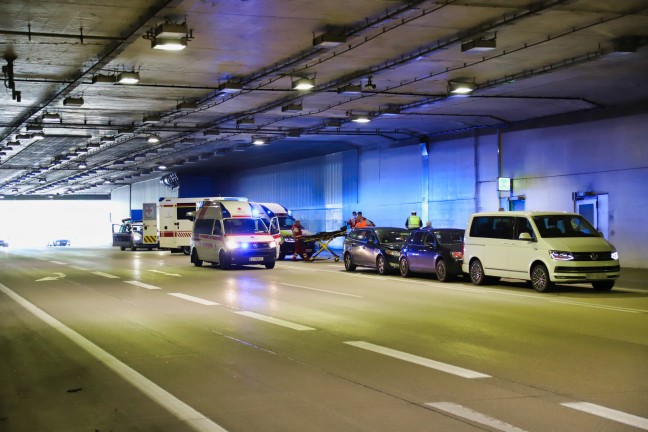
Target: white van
point(226, 233)
point(543, 248)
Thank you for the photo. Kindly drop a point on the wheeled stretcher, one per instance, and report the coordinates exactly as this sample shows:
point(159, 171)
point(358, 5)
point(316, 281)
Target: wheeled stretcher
point(324, 239)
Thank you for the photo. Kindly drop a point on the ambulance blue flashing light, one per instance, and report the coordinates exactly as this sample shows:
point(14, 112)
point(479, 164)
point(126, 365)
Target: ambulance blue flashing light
point(289, 212)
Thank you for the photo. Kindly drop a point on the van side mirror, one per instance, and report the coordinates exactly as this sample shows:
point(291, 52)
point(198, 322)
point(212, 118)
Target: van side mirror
point(525, 236)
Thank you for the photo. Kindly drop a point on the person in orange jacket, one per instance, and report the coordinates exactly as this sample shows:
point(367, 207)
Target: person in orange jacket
point(363, 222)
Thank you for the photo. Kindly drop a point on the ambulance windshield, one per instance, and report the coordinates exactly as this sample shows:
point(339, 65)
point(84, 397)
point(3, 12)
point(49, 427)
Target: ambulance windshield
point(245, 226)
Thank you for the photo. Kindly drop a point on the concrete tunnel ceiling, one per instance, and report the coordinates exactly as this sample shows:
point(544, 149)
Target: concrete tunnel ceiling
point(68, 127)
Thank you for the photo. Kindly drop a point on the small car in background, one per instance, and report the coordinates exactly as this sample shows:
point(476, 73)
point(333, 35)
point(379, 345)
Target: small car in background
point(4, 243)
point(433, 250)
point(60, 243)
point(374, 247)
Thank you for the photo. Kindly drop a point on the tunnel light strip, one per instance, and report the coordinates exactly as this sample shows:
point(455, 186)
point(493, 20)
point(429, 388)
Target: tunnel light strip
point(422, 361)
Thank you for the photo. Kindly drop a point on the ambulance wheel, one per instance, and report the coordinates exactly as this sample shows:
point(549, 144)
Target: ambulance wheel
point(270, 265)
point(223, 261)
point(185, 250)
point(195, 260)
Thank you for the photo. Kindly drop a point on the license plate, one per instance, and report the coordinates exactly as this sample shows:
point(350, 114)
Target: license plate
point(256, 258)
point(595, 276)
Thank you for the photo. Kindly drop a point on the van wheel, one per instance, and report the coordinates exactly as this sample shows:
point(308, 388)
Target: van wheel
point(223, 261)
point(186, 250)
point(603, 285)
point(195, 260)
point(348, 263)
point(476, 270)
point(270, 265)
point(442, 271)
point(404, 268)
point(381, 265)
point(540, 279)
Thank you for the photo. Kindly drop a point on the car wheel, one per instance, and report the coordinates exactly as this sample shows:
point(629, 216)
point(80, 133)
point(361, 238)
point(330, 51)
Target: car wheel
point(381, 265)
point(603, 285)
point(195, 260)
point(348, 263)
point(540, 279)
point(404, 268)
point(476, 270)
point(122, 247)
point(223, 261)
point(442, 271)
point(133, 248)
point(270, 265)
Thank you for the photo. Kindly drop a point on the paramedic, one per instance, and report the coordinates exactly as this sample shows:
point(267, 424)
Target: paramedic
point(300, 248)
point(413, 222)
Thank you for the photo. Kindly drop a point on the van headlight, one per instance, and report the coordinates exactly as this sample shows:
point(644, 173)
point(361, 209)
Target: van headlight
point(561, 255)
point(273, 244)
point(614, 255)
point(231, 244)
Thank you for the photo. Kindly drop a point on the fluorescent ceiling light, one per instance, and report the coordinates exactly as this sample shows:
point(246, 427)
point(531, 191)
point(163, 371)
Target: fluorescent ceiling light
point(51, 116)
point(230, 87)
point(34, 128)
point(167, 44)
point(128, 78)
point(153, 139)
point(328, 40)
point(103, 79)
point(162, 167)
point(303, 84)
point(171, 30)
point(360, 118)
point(460, 88)
point(83, 165)
point(479, 45)
point(258, 141)
point(38, 136)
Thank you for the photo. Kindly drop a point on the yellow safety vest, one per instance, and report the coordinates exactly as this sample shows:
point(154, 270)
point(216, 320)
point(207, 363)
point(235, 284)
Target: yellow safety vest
point(413, 222)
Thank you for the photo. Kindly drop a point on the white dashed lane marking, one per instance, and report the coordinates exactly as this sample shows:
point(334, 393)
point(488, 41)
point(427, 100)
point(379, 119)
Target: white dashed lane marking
point(275, 321)
point(422, 361)
point(608, 413)
point(143, 285)
point(106, 275)
point(321, 290)
point(195, 299)
point(477, 417)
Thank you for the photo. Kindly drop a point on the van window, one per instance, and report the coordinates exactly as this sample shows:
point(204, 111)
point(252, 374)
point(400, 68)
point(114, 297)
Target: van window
point(523, 225)
point(218, 229)
point(286, 222)
point(553, 226)
point(492, 227)
point(203, 226)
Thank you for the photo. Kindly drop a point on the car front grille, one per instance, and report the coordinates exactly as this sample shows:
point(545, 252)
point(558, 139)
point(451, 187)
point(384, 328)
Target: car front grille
point(592, 256)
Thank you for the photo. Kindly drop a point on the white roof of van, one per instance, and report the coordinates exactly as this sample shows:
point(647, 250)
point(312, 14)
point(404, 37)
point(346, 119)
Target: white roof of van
point(523, 213)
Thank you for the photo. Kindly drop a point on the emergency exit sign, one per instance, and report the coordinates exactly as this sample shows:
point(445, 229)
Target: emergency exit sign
point(504, 184)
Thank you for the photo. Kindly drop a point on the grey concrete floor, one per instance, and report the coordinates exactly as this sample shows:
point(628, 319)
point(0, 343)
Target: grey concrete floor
point(105, 340)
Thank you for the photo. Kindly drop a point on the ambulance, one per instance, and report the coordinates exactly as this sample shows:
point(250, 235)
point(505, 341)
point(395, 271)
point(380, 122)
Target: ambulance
point(227, 233)
point(286, 241)
point(175, 219)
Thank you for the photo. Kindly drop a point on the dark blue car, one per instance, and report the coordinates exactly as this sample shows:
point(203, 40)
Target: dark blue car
point(433, 250)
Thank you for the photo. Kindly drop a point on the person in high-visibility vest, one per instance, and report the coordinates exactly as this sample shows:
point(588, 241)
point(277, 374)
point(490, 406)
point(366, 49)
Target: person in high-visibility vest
point(413, 222)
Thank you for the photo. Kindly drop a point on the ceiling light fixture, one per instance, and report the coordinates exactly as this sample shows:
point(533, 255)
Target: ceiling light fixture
point(7, 148)
point(83, 165)
point(370, 84)
point(360, 118)
point(34, 128)
point(230, 87)
point(460, 87)
point(169, 36)
point(72, 101)
point(292, 107)
point(153, 139)
point(328, 40)
point(350, 89)
point(211, 132)
point(14, 143)
point(151, 118)
point(108, 138)
point(51, 117)
point(169, 44)
point(187, 105)
point(246, 120)
point(104, 79)
point(38, 136)
point(128, 78)
point(24, 136)
point(303, 84)
point(258, 140)
point(479, 45)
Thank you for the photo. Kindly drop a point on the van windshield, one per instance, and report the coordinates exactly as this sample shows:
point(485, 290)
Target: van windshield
point(557, 226)
point(245, 226)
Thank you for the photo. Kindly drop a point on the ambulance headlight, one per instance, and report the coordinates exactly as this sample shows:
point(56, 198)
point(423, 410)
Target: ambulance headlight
point(273, 244)
point(231, 244)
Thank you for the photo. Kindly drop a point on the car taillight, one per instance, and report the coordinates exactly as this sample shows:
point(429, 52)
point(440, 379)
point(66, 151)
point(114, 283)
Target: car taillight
point(457, 255)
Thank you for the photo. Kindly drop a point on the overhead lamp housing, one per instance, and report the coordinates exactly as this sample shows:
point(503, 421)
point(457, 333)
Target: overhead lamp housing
point(246, 120)
point(104, 79)
point(153, 139)
point(292, 107)
point(460, 87)
point(168, 44)
point(73, 101)
point(108, 138)
point(258, 140)
point(214, 131)
point(328, 40)
point(627, 44)
point(303, 84)
point(350, 89)
point(38, 136)
point(34, 128)
point(479, 45)
point(187, 105)
point(360, 118)
point(128, 78)
point(152, 118)
point(51, 117)
point(231, 87)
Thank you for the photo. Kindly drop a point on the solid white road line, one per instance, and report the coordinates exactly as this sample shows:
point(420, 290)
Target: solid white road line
point(195, 299)
point(274, 321)
point(433, 364)
point(142, 285)
point(106, 275)
point(477, 417)
point(322, 290)
point(175, 406)
point(80, 268)
point(591, 305)
point(608, 413)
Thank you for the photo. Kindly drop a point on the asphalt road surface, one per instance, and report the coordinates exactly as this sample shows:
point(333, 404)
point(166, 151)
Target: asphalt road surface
point(99, 340)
